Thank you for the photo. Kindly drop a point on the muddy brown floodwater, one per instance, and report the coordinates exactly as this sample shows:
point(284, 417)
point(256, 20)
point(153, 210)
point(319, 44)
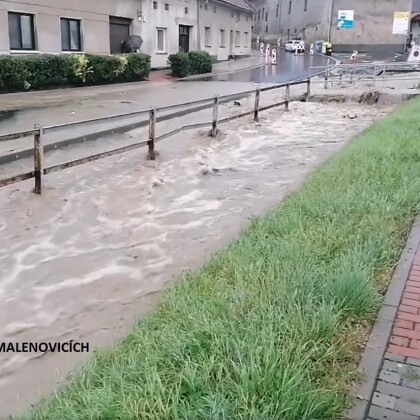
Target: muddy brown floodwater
point(88, 257)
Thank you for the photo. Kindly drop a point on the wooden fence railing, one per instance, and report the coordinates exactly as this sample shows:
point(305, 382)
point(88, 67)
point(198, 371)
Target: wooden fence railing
point(38, 132)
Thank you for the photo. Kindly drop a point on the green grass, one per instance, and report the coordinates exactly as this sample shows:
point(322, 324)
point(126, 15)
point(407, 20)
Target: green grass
point(271, 327)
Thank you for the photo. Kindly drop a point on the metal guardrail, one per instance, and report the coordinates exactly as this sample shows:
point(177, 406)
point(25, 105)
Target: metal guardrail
point(352, 73)
point(38, 132)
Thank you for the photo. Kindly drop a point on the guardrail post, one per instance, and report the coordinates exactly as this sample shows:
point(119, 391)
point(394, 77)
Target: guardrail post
point(257, 104)
point(374, 75)
point(327, 70)
point(215, 116)
point(151, 155)
point(286, 105)
point(308, 87)
point(38, 158)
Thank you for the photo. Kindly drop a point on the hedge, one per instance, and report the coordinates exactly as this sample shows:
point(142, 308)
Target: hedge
point(194, 62)
point(50, 71)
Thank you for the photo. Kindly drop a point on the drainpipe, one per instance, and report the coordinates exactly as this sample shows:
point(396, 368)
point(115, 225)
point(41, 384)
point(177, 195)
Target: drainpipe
point(198, 25)
point(140, 16)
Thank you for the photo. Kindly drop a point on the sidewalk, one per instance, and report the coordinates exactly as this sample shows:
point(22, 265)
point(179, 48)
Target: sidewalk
point(40, 99)
point(391, 361)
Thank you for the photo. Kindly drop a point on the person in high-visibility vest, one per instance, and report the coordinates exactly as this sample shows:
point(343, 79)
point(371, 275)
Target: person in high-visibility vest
point(328, 48)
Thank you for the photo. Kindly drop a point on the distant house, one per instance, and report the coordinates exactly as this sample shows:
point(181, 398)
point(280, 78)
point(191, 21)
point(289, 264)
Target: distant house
point(162, 27)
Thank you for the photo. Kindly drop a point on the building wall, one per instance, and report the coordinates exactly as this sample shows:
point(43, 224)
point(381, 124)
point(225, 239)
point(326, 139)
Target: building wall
point(373, 21)
point(145, 19)
point(415, 30)
point(169, 20)
point(237, 26)
point(94, 16)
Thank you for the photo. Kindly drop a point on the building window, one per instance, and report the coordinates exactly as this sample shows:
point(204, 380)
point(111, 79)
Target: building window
point(207, 36)
point(239, 17)
point(155, 5)
point(166, 6)
point(214, 9)
point(222, 38)
point(161, 40)
point(277, 10)
point(71, 39)
point(290, 7)
point(305, 6)
point(246, 39)
point(266, 28)
point(237, 39)
point(21, 31)
point(266, 16)
point(259, 14)
point(205, 7)
point(186, 10)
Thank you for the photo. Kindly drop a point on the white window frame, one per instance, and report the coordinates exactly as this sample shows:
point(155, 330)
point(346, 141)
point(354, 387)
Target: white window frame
point(237, 38)
point(207, 34)
point(164, 50)
point(222, 34)
point(246, 34)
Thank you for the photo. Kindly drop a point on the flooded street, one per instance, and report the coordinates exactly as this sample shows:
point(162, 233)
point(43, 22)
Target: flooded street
point(87, 258)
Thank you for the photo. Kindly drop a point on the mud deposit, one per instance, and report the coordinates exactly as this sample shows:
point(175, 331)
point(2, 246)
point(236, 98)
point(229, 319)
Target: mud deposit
point(88, 257)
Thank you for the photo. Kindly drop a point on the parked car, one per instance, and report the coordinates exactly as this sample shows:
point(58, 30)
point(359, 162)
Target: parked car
point(296, 45)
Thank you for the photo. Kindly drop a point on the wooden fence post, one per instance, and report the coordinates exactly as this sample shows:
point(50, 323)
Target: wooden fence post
point(215, 116)
point(38, 158)
point(257, 105)
point(151, 155)
point(287, 97)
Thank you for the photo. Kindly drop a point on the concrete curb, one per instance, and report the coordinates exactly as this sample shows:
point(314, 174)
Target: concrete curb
point(373, 355)
point(201, 76)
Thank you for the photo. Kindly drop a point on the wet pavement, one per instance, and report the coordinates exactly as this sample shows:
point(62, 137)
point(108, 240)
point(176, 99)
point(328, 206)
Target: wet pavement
point(289, 67)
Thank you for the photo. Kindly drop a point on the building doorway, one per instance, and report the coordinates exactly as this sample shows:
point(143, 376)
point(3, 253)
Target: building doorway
point(119, 30)
point(184, 38)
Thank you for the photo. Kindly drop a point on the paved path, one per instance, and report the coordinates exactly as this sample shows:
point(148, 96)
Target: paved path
point(391, 360)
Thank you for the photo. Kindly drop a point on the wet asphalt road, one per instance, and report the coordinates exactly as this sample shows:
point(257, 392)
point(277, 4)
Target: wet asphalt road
point(289, 67)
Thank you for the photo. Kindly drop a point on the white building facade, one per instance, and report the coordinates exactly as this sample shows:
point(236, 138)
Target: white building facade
point(222, 27)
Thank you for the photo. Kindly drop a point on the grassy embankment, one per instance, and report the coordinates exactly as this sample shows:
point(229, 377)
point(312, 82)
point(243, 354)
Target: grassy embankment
point(271, 327)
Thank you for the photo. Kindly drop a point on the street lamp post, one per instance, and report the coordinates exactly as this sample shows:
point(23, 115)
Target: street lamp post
point(331, 18)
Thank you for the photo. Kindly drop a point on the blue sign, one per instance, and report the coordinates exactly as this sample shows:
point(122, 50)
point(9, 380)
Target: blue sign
point(345, 19)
